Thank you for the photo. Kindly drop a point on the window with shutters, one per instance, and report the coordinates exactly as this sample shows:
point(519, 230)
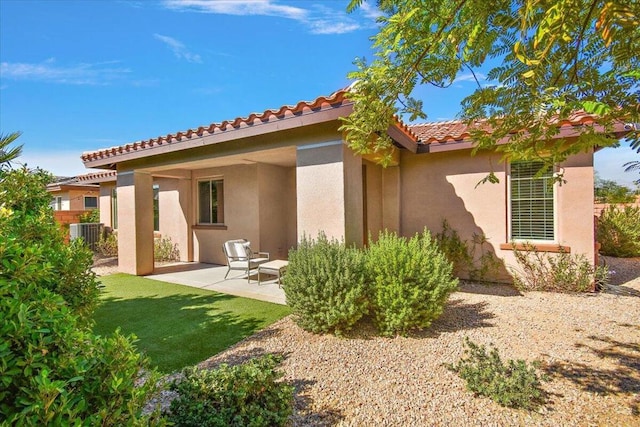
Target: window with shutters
point(532, 202)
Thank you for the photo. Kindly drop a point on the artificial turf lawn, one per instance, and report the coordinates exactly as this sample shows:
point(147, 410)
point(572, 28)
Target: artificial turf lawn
point(176, 325)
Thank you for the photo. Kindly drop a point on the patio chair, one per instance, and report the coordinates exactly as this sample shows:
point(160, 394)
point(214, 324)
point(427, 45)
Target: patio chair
point(241, 257)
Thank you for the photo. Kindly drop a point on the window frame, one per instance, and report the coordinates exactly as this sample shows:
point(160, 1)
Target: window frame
point(510, 233)
point(84, 202)
point(114, 208)
point(156, 207)
point(221, 204)
point(57, 203)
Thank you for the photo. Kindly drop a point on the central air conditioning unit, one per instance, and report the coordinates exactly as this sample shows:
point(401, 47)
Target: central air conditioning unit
point(89, 232)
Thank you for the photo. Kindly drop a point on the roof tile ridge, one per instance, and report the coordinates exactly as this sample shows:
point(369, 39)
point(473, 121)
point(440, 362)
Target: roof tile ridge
point(336, 97)
point(439, 122)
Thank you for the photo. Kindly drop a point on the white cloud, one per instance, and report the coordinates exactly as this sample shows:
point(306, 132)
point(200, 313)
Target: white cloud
point(102, 73)
point(319, 19)
point(178, 49)
point(370, 11)
point(332, 27)
point(239, 7)
point(470, 78)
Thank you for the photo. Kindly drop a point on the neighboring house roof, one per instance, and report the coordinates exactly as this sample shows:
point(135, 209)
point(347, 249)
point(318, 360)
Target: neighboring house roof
point(56, 187)
point(88, 181)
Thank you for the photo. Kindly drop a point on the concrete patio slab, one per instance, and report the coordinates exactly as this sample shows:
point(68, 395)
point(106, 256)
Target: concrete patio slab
point(211, 277)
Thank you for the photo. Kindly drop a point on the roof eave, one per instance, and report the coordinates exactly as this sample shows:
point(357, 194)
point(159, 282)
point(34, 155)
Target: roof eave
point(107, 159)
point(404, 139)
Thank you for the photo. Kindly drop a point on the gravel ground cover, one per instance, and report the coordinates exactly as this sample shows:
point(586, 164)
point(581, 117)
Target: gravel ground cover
point(589, 345)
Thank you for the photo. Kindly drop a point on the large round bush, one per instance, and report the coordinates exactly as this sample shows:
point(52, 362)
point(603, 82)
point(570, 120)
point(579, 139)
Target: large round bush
point(411, 280)
point(619, 231)
point(325, 285)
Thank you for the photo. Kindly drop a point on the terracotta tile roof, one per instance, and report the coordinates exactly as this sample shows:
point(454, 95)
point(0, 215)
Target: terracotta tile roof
point(458, 130)
point(453, 130)
point(90, 178)
point(336, 99)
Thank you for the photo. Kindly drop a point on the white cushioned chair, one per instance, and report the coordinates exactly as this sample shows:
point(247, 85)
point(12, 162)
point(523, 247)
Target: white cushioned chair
point(241, 257)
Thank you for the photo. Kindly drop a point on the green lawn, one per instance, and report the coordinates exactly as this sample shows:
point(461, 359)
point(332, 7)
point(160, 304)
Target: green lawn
point(176, 325)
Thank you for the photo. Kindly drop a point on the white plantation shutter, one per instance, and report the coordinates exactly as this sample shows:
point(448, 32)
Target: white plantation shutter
point(532, 202)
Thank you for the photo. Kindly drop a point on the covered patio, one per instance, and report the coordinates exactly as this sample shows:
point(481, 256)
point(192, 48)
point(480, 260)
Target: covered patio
point(211, 277)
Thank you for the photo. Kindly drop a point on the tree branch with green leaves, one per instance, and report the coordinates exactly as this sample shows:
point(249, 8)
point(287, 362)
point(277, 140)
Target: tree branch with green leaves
point(553, 58)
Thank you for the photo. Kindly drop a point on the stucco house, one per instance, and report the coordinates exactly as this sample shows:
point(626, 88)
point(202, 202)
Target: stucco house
point(275, 176)
point(69, 194)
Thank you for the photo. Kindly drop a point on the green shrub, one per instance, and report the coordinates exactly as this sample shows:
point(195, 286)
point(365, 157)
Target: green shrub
point(108, 245)
point(473, 259)
point(514, 384)
point(165, 250)
point(325, 285)
point(243, 395)
point(555, 272)
point(32, 245)
point(454, 248)
point(55, 371)
point(411, 280)
point(619, 232)
point(91, 216)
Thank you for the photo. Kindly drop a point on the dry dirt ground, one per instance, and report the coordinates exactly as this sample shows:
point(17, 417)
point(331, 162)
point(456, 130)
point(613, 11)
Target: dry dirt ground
point(588, 344)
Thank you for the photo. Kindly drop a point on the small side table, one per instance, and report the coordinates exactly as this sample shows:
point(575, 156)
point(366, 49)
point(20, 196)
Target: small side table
point(276, 267)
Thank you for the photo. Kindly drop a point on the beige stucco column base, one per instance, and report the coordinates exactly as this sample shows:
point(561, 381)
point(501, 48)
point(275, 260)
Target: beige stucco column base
point(135, 223)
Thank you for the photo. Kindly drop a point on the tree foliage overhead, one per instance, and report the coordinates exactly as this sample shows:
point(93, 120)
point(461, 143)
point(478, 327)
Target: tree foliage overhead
point(552, 58)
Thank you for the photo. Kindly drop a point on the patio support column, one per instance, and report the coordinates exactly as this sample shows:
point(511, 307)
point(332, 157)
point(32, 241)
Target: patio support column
point(135, 222)
point(353, 198)
point(329, 192)
point(391, 198)
point(320, 190)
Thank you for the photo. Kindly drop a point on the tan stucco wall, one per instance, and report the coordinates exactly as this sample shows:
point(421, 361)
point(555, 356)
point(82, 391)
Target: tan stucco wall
point(257, 199)
point(353, 198)
point(442, 186)
point(104, 203)
point(76, 198)
point(64, 200)
point(277, 220)
point(240, 212)
point(575, 202)
point(174, 207)
point(391, 197)
point(135, 232)
point(73, 199)
point(374, 200)
point(320, 191)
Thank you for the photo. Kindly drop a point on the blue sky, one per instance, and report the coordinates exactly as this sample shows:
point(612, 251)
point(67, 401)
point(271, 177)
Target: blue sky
point(82, 75)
